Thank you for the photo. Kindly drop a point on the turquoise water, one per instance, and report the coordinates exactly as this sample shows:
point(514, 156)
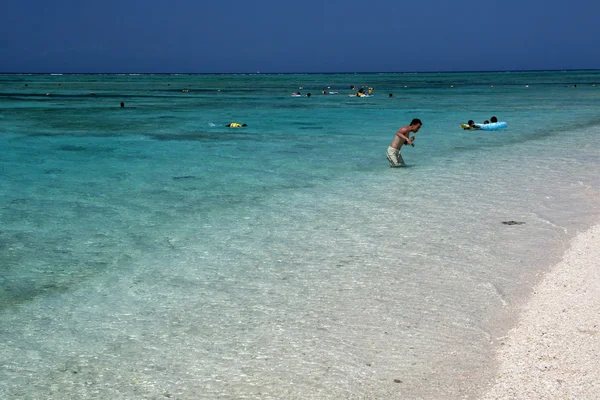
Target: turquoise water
point(151, 252)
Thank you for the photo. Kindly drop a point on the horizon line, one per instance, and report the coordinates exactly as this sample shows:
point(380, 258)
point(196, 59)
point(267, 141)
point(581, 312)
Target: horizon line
point(295, 73)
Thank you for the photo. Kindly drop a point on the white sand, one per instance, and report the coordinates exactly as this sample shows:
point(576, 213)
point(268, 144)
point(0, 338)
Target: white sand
point(554, 351)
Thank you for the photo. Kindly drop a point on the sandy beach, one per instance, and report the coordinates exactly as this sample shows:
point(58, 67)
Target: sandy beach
point(554, 351)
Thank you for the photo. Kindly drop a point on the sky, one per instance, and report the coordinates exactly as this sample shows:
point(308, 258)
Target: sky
point(279, 36)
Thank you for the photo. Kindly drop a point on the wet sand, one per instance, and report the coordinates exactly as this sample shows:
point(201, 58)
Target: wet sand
point(554, 351)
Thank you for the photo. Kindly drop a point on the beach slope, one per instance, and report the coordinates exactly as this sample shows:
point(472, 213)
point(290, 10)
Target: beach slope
point(554, 351)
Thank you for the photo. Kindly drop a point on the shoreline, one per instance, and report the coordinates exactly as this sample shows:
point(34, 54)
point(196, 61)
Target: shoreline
point(554, 350)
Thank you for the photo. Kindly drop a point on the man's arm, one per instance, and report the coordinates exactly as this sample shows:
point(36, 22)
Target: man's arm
point(401, 133)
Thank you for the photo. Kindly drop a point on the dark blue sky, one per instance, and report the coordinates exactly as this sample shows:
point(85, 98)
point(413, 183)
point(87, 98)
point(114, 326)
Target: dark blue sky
point(297, 36)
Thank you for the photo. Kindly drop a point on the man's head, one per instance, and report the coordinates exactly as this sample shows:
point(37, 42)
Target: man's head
point(471, 122)
point(416, 124)
point(494, 119)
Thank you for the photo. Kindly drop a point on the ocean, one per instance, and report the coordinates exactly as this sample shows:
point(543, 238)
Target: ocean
point(149, 251)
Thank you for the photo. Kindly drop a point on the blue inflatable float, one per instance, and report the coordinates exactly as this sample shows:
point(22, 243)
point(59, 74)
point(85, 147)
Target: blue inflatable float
point(494, 126)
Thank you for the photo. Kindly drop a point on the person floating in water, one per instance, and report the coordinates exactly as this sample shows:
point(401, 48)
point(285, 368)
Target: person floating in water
point(470, 125)
point(402, 137)
point(362, 93)
point(235, 125)
point(122, 104)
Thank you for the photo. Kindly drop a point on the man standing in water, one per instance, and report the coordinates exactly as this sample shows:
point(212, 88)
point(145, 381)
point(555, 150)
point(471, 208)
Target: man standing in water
point(402, 137)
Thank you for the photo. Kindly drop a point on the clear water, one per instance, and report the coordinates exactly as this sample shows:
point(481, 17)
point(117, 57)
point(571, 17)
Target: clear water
point(151, 252)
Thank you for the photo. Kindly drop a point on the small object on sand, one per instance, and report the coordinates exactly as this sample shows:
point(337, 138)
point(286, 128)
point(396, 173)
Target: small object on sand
point(513, 223)
point(397, 381)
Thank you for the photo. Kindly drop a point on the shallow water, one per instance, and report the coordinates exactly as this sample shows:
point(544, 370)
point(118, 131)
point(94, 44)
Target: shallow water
point(148, 254)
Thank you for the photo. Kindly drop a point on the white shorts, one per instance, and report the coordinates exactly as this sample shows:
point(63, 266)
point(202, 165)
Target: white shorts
point(394, 157)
